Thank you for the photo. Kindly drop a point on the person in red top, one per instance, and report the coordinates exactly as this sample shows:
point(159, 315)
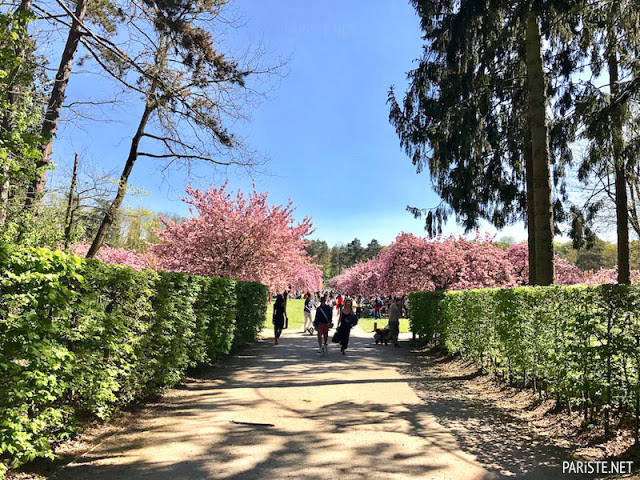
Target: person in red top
point(339, 304)
point(377, 305)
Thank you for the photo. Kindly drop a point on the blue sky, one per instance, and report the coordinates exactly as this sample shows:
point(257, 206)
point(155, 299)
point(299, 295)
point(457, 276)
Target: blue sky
point(323, 129)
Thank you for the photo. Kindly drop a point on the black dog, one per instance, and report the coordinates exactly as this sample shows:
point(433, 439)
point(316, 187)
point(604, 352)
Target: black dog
point(382, 335)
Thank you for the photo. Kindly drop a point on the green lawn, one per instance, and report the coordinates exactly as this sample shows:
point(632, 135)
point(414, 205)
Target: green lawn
point(367, 324)
point(294, 312)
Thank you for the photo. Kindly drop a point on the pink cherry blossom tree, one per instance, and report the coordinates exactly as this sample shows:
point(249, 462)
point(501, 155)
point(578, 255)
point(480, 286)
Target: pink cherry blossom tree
point(566, 273)
point(415, 263)
point(239, 236)
point(306, 277)
point(419, 263)
point(363, 278)
point(119, 256)
point(608, 275)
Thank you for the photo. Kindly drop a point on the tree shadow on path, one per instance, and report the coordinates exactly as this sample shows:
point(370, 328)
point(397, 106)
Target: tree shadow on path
point(287, 412)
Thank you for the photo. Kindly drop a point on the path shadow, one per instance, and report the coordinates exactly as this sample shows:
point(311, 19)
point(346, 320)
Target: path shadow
point(502, 442)
point(445, 427)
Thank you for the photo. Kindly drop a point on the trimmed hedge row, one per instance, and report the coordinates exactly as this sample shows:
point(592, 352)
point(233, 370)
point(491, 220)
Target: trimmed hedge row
point(82, 338)
point(578, 344)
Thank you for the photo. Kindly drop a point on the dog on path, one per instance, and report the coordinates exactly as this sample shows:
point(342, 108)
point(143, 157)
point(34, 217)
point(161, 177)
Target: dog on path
point(382, 335)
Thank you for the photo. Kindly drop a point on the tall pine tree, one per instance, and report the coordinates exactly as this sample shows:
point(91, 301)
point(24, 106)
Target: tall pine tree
point(475, 115)
point(610, 41)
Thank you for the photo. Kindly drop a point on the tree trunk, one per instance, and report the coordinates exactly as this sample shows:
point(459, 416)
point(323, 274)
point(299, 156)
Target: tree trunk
point(632, 200)
point(68, 218)
point(122, 185)
point(531, 217)
point(52, 115)
point(617, 140)
point(4, 195)
point(7, 125)
point(543, 214)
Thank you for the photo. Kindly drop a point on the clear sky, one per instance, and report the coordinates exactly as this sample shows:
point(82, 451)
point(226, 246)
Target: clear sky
point(323, 128)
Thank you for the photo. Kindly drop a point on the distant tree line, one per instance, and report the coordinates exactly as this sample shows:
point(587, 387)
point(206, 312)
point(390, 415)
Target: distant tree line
point(340, 257)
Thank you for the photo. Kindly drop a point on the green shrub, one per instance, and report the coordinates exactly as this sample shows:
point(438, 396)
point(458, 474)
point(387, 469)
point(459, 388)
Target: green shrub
point(425, 314)
point(80, 336)
point(216, 317)
point(578, 344)
point(251, 309)
point(38, 289)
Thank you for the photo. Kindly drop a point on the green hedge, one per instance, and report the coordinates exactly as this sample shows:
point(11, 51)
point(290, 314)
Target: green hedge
point(80, 337)
point(250, 312)
point(578, 344)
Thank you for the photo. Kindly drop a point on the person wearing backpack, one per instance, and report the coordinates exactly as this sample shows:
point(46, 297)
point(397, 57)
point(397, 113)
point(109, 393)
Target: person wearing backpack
point(346, 322)
point(323, 318)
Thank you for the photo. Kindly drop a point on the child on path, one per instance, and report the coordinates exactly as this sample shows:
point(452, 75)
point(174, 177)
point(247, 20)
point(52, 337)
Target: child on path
point(323, 319)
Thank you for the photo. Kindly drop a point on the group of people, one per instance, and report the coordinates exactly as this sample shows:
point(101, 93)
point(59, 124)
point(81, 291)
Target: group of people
point(319, 315)
point(323, 321)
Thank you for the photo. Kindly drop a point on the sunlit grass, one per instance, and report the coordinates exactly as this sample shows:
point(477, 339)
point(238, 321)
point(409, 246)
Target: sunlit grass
point(367, 324)
point(295, 310)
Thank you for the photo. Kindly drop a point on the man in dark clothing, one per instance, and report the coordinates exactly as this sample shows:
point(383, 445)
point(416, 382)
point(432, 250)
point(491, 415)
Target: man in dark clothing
point(323, 318)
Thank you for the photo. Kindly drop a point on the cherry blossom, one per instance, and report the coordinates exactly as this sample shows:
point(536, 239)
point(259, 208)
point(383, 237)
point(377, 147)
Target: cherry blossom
point(413, 263)
point(566, 273)
point(241, 237)
point(120, 256)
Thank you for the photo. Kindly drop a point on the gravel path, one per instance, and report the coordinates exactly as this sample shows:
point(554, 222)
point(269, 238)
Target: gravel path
point(285, 411)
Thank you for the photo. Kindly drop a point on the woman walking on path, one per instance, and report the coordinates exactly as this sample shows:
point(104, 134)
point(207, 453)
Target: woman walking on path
point(279, 314)
point(322, 321)
point(347, 320)
point(309, 305)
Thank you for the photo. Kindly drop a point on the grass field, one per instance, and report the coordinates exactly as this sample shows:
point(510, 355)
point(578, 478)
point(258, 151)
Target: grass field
point(296, 318)
point(367, 324)
point(294, 312)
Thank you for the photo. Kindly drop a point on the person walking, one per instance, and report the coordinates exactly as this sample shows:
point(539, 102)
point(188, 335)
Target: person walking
point(323, 318)
point(346, 322)
point(377, 305)
point(309, 305)
point(339, 304)
point(395, 310)
point(286, 297)
point(359, 307)
point(279, 315)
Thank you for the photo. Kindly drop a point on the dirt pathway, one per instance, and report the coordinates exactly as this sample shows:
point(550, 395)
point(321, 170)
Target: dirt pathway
point(286, 412)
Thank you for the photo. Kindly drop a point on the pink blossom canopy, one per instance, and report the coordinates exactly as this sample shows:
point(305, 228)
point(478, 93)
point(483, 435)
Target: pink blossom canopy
point(241, 237)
